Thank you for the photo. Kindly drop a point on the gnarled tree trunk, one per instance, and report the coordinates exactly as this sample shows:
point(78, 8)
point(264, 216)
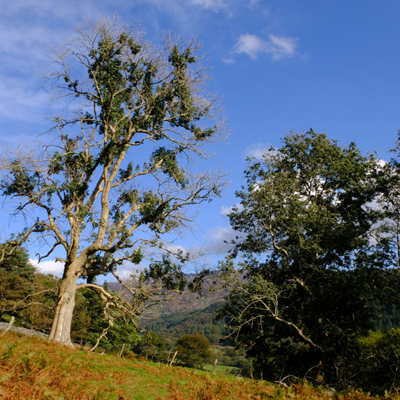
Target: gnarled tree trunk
point(61, 329)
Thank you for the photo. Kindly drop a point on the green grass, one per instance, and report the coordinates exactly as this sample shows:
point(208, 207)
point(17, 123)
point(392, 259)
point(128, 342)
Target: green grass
point(222, 369)
point(35, 369)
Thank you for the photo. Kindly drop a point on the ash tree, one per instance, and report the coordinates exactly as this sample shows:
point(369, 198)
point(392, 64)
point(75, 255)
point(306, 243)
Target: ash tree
point(313, 268)
point(115, 181)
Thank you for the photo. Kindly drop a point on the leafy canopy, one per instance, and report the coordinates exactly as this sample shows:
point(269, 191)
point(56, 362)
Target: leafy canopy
point(313, 270)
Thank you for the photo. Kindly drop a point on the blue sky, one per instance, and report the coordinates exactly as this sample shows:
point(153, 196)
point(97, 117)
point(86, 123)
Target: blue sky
point(278, 66)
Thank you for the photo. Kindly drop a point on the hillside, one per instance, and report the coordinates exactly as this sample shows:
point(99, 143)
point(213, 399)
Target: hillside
point(171, 325)
point(192, 314)
point(33, 368)
point(390, 318)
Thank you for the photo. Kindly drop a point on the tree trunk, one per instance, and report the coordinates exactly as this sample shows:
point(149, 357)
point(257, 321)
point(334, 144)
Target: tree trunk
point(61, 329)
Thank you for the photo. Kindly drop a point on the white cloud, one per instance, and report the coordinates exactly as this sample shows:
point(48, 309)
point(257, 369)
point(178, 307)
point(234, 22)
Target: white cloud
point(214, 5)
point(49, 267)
point(277, 47)
point(217, 238)
point(257, 150)
point(381, 162)
point(179, 8)
point(20, 101)
point(283, 45)
point(174, 248)
point(253, 3)
point(127, 269)
point(26, 29)
point(71, 11)
point(228, 60)
point(57, 268)
point(249, 44)
point(225, 210)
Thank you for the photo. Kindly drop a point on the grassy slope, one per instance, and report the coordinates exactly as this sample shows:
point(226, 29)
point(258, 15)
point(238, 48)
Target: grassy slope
point(32, 368)
point(221, 369)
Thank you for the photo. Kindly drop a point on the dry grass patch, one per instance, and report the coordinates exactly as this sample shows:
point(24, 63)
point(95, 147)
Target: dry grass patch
point(35, 369)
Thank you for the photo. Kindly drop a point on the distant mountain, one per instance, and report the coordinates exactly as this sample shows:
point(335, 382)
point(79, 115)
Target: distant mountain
point(192, 314)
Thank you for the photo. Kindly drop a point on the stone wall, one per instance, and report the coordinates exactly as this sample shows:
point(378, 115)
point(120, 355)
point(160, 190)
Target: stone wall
point(24, 331)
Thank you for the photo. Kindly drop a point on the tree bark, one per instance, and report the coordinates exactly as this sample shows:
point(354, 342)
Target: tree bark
point(61, 329)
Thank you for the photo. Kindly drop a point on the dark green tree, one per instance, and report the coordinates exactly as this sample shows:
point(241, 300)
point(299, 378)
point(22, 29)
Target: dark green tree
point(151, 345)
point(311, 276)
point(193, 350)
point(98, 327)
point(39, 313)
point(114, 183)
point(16, 279)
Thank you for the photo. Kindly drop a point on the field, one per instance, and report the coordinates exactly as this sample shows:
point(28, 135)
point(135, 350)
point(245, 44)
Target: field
point(222, 369)
point(34, 369)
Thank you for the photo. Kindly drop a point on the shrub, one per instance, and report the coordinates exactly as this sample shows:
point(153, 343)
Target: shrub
point(193, 350)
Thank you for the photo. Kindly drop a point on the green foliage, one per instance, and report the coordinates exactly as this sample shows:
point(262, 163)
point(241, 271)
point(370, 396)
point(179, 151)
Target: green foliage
point(193, 350)
point(153, 212)
point(167, 272)
point(23, 183)
point(169, 164)
point(172, 325)
point(312, 276)
point(15, 260)
point(229, 356)
point(389, 318)
point(152, 346)
point(376, 366)
point(89, 310)
point(40, 313)
point(16, 279)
